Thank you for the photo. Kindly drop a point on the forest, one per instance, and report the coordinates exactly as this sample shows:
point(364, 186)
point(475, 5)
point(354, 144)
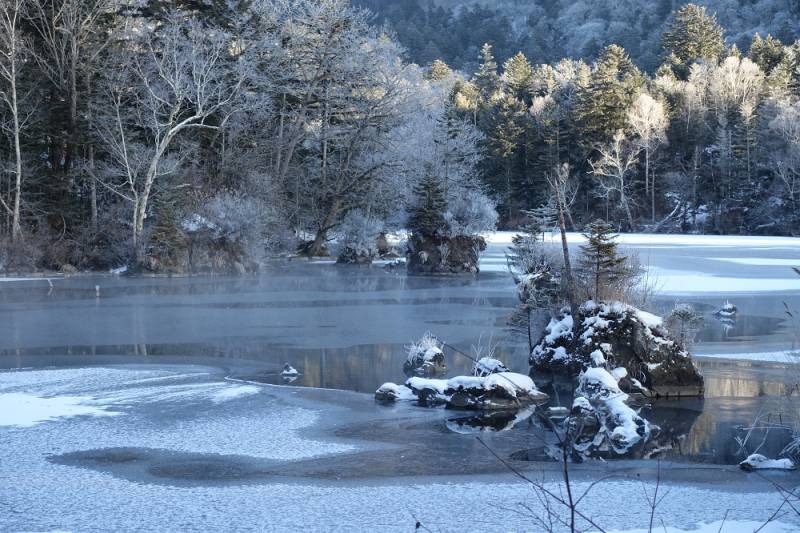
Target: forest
point(156, 134)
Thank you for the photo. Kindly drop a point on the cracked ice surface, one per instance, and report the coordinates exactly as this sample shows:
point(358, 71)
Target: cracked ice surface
point(157, 409)
point(181, 410)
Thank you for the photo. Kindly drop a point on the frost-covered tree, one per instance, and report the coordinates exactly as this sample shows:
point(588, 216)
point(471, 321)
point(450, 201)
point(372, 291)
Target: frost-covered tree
point(612, 88)
point(648, 122)
point(14, 52)
point(175, 80)
point(426, 216)
point(613, 169)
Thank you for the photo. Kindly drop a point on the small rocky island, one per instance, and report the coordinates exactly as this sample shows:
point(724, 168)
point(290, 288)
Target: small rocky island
point(631, 342)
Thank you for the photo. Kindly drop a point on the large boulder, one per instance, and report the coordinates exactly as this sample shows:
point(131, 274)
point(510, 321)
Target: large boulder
point(601, 422)
point(618, 335)
point(444, 255)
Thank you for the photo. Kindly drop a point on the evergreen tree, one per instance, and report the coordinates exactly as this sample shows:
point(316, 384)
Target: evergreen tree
point(603, 268)
point(693, 35)
point(766, 53)
point(518, 78)
point(486, 79)
point(602, 107)
point(438, 71)
point(426, 217)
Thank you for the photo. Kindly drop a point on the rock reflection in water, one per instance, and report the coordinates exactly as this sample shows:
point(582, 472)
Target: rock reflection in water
point(490, 421)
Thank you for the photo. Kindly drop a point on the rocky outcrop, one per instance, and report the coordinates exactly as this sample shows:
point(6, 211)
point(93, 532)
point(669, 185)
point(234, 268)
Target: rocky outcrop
point(444, 255)
point(618, 336)
point(425, 358)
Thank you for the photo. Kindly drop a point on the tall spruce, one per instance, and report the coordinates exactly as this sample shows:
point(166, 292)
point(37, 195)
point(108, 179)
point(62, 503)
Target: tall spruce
point(602, 265)
point(692, 35)
point(486, 78)
point(603, 105)
point(426, 217)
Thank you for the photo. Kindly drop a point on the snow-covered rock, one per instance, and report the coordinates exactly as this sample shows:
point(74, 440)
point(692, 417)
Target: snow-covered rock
point(619, 336)
point(759, 462)
point(500, 390)
point(425, 357)
point(391, 392)
point(601, 421)
point(289, 370)
point(488, 365)
point(728, 310)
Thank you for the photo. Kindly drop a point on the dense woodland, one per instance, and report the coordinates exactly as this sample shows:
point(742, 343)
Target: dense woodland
point(159, 133)
point(547, 31)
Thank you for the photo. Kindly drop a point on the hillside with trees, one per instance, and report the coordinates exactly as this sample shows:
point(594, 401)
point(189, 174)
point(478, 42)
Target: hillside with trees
point(208, 135)
point(547, 31)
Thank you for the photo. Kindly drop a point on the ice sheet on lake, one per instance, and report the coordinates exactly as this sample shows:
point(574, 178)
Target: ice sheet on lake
point(759, 261)
point(780, 356)
point(657, 239)
point(194, 403)
point(669, 281)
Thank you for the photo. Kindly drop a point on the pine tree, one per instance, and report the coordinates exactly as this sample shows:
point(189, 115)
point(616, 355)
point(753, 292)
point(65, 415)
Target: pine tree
point(426, 217)
point(518, 78)
point(766, 53)
point(438, 71)
point(601, 264)
point(486, 79)
point(693, 35)
point(603, 105)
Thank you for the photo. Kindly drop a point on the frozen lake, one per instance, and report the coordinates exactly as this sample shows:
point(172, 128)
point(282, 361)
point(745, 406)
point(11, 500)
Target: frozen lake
point(126, 397)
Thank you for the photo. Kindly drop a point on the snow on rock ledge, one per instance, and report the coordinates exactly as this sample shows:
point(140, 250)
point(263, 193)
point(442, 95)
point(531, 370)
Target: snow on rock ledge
point(619, 335)
point(759, 462)
point(501, 390)
point(487, 365)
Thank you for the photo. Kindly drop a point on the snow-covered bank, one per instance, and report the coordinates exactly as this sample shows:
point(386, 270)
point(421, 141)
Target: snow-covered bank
point(690, 264)
point(780, 356)
point(665, 239)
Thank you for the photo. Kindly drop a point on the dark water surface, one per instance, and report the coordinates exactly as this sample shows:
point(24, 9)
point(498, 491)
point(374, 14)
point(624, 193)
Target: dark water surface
point(346, 328)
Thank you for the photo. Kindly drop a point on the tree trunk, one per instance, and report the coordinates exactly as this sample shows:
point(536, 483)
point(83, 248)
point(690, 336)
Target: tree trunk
point(573, 304)
point(73, 111)
point(317, 247)
point(627, 207)
point(16, 227)
point(92, 181)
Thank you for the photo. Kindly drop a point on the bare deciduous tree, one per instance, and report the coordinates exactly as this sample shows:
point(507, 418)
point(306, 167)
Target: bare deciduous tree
point(649, 122)
point(13, 52)
point(612, 168)
point(175, 79)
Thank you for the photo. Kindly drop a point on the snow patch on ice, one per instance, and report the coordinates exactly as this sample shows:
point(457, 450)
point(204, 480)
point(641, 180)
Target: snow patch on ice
point(231, 393)
point(26, 410)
